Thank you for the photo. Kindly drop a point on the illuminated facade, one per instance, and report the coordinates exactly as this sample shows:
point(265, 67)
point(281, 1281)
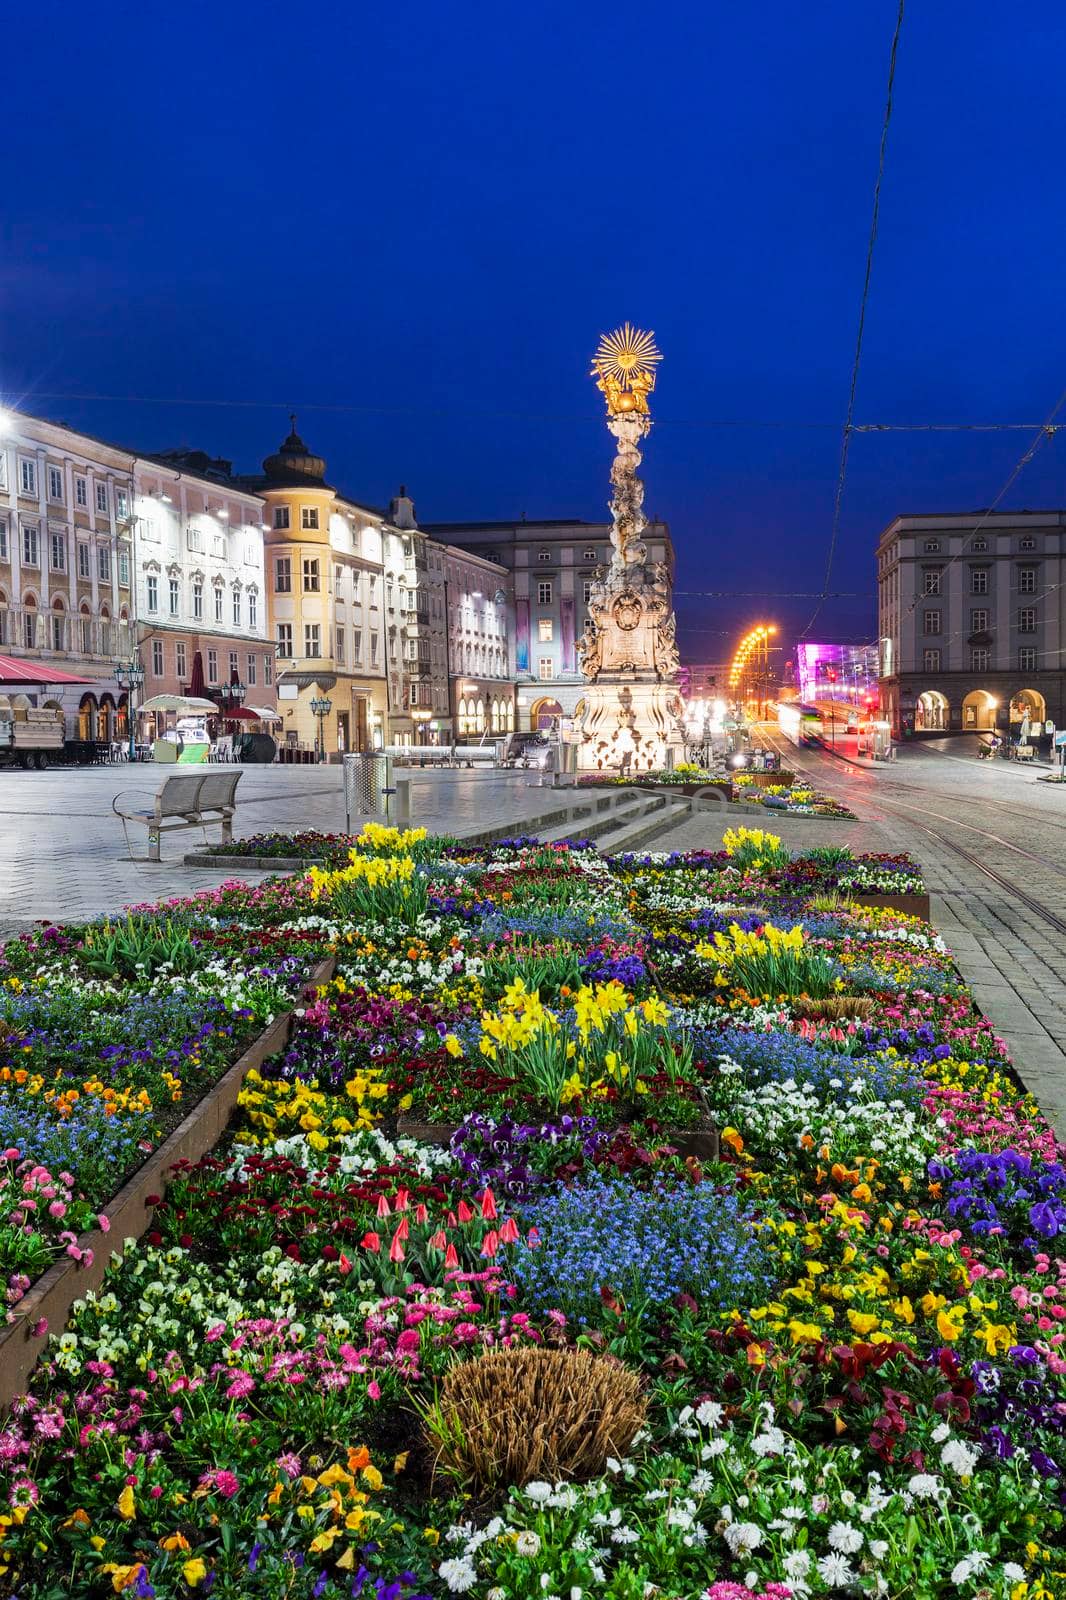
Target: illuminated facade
point(844, 672)
point(972, 621)
point(66, 509)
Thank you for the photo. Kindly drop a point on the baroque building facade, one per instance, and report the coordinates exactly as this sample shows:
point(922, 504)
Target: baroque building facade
point(66, 520)
point(552, 565)
point(972, 621)
point(197, 546)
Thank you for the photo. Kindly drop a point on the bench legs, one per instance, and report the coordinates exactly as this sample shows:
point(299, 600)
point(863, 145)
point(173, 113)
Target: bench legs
point(153, 843)
point(227, 828)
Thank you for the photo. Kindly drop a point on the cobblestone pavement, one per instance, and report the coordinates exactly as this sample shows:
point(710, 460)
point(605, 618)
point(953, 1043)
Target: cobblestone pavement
point(63, 854)
point(935, 802)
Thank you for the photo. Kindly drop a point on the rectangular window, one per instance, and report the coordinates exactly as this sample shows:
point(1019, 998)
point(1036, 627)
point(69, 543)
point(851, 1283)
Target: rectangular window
point(544, 555)
point(253, 609)
point(979, 621)
point(198, 602)
point(3, 540)
point(373, 649)
point(979, 660)
point(251, 669)
point(84, 560)
point(234, 670)
point(931, 660)
point(30, 550)
point(123, 569)
point(122, 504)
point(180, 662)
point(152, 584)
point(1027, 619)
point(312, 640)
point(283, 575)
point(932, 580)
point(157, 657)
point(285, 640)
point(588, 555)
point(544, 628)
point(27, 476)
point(1027, 544)
point(219, 603)
point(29, 629)
point(58, 552)
point(310, 575)
point(931, 622)
point(81, 492)
point(55, 483)
point(586, 591)
point(57, 630)
point(268, 669)
point(236, 608)
point(1027, 658)
point(978, 580)
point(194, 536)
point(357, 647)
point(149, 529)
point(212, 666)
point(281, 516)
point(86, 636)
point(103, 562)
point(544, 593)
point(101, 498)
point(546, 667)
point(339, 647)
point(309, 517)
point(1026, 580)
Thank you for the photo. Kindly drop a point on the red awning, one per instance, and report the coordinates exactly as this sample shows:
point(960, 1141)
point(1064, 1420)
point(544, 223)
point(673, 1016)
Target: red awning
point(13, 670)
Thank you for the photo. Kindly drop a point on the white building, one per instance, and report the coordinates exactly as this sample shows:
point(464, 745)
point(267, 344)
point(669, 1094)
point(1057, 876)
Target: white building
point(198, 556)
point(481, 637)
point(65, 600)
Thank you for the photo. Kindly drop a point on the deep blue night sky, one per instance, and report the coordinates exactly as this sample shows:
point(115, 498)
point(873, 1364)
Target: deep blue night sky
point(427, 213)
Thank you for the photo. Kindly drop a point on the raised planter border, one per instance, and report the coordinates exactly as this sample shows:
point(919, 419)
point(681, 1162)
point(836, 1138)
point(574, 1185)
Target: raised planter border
point(912, 905)
point(129, 1214)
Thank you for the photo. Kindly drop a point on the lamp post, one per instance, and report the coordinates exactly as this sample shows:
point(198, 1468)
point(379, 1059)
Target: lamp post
point(130, 676)
point(321, 705)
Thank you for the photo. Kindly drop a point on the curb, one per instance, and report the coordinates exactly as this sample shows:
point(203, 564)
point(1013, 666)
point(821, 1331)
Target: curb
point(65, 1281)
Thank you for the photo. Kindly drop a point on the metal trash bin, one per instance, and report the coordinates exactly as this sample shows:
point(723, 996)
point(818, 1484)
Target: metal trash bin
point(368, 785)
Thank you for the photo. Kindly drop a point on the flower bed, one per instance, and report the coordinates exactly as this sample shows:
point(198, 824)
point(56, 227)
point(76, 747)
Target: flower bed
point(558, 1356)
point(775, 792)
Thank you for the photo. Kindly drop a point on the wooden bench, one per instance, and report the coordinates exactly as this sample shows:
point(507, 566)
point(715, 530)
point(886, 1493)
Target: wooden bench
point(185, 801)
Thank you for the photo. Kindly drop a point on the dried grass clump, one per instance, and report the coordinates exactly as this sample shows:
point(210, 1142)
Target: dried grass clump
point(515, 1415)
point(835, 1008)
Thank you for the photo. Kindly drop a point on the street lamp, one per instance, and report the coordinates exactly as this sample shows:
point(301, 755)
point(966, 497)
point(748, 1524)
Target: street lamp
point(233, 694)
point(321, 706)
point(130, 676)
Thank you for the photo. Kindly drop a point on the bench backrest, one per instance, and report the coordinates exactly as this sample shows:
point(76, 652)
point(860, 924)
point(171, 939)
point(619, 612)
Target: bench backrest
point(179, 796)
point(217, 790)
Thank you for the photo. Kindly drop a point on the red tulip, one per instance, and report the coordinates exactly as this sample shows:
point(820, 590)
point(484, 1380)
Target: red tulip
point(451, 1258)
point(345, 1265)
point(450, 1219)
point(402, 1200)
point(421, 1214)
point(509, 1232)
point(490, 1243)
point(488, 1206)
point(404, 1229)
point(371, 1242)
point(465, 1212)
point(396, 1247)
point(383, 1207)
point(439, 1240)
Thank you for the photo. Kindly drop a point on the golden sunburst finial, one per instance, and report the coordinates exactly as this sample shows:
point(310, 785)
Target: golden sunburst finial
point(624, 368)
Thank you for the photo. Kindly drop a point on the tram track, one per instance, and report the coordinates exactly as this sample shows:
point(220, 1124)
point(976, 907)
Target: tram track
point(887, 805)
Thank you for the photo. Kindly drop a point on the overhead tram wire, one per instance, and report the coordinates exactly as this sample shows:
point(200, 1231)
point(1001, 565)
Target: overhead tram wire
point(341, 407)
point(1046, 430)
point(848, 420)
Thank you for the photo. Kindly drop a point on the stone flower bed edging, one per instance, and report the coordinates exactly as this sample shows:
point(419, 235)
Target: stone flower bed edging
point(46, 1305)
